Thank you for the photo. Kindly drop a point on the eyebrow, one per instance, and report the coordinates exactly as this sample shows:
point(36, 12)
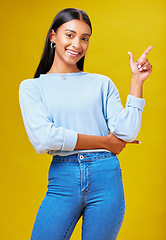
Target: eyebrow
point(75, 32)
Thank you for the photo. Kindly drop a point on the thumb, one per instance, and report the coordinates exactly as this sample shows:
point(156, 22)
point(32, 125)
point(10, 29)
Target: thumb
point(131, 58)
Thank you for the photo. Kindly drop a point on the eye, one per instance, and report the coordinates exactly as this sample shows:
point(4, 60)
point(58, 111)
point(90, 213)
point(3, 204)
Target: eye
point(86, 39)
point(69, 35)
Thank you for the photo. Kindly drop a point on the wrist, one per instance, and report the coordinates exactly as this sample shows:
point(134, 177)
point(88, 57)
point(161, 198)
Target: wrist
point(104, 142)
point(135, 78)
point(136, 87)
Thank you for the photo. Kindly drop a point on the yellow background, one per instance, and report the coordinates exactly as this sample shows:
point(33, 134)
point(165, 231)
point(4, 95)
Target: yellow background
point(118, 27)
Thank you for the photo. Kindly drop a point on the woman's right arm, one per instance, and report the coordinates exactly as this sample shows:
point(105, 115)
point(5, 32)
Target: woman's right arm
point(110, 142)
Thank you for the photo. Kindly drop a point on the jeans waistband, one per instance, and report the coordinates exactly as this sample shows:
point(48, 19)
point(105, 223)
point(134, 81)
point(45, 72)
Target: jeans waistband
point(83, 156)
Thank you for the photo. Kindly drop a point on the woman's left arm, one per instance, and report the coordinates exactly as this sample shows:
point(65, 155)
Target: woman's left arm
point(125, 123)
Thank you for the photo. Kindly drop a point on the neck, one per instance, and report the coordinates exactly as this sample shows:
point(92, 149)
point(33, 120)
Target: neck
point(60, 66)
point(52, 70)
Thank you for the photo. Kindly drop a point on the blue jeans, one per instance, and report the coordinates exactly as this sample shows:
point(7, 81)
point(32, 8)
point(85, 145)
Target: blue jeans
point(88, 185)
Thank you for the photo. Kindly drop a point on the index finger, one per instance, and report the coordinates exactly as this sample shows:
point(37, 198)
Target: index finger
point(146, 52)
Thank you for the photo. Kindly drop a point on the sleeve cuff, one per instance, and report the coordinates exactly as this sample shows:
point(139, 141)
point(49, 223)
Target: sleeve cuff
point(136, 102)
point(70, 140)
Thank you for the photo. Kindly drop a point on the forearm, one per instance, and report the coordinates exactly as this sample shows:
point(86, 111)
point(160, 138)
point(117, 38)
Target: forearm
point(136, 87)
point(90, 142)
point(110, 142)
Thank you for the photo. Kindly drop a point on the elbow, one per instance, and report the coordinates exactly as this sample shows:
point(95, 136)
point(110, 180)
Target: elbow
point(59, 140)
point(132, 133)
point(127, 132)
point(127, 136)
point(43, 146)
point(130, 137)
point(40, 149)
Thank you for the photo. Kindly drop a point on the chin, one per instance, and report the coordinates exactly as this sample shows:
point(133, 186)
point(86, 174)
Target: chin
point(72, 61)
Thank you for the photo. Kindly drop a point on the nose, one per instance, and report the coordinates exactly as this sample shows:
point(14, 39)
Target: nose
point(76, 43)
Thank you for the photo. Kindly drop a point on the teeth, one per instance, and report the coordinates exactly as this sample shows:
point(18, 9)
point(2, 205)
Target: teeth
point(72, 52)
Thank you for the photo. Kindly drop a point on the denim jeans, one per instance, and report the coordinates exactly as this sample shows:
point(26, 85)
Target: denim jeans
point(88, 185)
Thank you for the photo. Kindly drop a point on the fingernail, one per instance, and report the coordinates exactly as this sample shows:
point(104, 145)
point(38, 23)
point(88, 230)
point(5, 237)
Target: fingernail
point(139, 142)
point(139, 66)
point(140, 69)
point(144, 67)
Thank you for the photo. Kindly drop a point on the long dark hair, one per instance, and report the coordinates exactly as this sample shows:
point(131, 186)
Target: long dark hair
point(63, 16)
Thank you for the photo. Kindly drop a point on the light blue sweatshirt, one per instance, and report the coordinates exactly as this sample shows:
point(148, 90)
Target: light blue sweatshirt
point(56, 107)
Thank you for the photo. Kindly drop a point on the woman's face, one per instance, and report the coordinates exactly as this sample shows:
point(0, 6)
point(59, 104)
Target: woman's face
point(72, 40)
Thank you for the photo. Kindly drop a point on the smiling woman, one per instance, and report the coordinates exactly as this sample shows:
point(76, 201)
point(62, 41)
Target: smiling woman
point(73, 34)
point(71, 40)
point(69, 114)
point(76, 31)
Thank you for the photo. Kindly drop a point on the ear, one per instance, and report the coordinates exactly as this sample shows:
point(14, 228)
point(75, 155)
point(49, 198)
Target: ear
point(52, 36)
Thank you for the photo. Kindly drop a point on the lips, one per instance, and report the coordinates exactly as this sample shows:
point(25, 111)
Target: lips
point(72, 53)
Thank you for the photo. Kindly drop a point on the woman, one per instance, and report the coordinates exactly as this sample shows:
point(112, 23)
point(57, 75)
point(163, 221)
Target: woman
point(69, 114)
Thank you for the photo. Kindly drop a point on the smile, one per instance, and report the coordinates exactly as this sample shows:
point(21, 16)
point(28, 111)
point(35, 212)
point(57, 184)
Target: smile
point(71, 53)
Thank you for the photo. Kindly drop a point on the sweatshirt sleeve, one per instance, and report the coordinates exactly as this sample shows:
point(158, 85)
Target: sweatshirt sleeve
point(40, 128)
point(125, 122)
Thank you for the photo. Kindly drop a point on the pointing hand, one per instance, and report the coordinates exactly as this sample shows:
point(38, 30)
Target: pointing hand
point(142, 68)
